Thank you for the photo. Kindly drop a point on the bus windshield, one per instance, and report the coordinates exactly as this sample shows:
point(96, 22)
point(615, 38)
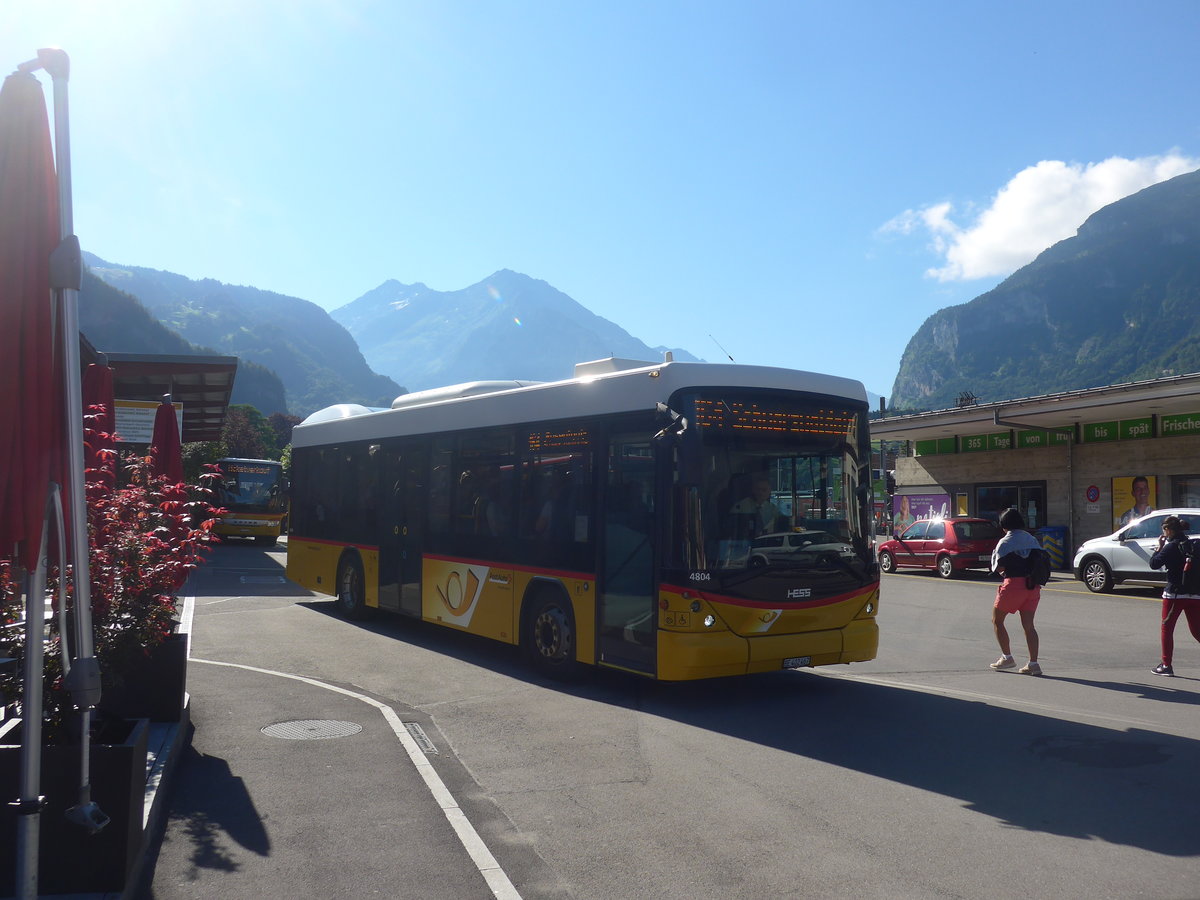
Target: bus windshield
point(250, 486)
point(772, 486)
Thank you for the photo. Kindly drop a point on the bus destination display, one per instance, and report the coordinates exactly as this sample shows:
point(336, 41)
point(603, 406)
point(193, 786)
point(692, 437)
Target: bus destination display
point(759, 416)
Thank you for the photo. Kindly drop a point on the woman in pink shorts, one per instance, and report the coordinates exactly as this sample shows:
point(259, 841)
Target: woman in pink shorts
point(1010, 559)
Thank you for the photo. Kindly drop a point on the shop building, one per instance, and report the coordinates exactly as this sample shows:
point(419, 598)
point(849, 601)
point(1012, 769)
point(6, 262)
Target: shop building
point(1074, 463)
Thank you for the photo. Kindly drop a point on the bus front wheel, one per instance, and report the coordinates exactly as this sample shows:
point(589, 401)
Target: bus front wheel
point(548, 638)
point(351, 588)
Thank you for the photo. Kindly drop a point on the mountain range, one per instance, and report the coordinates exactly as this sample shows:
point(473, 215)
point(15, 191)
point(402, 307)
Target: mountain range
point(316, 360)
point(117, 322)
point(297, 358)
point(1118, 302)
point(507, 326)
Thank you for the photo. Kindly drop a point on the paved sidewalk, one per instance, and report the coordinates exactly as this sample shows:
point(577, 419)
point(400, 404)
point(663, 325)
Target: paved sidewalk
point(289, 787)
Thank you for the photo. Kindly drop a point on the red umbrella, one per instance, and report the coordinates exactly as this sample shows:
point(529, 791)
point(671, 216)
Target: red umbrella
point(31, 413)
point(99, 448)
point(165, 450)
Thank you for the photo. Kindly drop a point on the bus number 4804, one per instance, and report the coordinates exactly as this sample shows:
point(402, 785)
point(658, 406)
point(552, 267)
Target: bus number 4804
point(701, 576)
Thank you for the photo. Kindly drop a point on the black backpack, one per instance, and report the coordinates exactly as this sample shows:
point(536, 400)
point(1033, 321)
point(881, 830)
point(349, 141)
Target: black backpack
point(1039, 568)
point(1191, 566)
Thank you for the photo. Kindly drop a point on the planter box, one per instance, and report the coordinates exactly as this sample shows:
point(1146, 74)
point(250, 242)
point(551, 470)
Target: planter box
point(71, 861)
point(151, 687)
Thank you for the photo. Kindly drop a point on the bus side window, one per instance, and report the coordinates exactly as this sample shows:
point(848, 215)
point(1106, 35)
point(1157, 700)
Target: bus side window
point(493, 507)
point(440, 484)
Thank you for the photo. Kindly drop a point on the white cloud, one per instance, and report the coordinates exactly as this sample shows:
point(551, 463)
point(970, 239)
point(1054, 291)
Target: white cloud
point(1040, 206)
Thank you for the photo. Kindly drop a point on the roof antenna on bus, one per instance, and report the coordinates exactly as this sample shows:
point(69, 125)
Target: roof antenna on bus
point(723, 350)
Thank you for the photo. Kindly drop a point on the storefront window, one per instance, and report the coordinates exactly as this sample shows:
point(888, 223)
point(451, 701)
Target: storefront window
point(1185, 490)
point(1030, 499)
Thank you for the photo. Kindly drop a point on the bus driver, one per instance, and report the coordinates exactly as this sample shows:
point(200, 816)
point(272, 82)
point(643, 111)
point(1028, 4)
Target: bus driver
point(761, 513)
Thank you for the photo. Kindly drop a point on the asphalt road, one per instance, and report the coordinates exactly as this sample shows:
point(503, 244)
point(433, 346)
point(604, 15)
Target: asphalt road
point(922, 774)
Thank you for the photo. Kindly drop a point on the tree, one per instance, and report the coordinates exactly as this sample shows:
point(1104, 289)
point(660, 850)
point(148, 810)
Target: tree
point(247, 434)
point(282, 425)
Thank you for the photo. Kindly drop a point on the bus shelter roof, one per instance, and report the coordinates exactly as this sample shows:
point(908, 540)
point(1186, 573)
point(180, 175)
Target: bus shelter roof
point(203, 384)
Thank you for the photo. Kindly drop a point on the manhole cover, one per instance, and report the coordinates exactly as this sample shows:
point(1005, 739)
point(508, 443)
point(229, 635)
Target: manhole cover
point(311, 729)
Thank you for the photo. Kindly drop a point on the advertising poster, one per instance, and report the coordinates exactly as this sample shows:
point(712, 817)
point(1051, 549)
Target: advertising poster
point(1133, 496)
point(135, 420)
point(911, 507)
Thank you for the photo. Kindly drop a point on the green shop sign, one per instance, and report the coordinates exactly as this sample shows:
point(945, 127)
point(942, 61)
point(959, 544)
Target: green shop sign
point(1000, 440)
point(973, 442)
point(1170, 426)
point(1101, 431)
point(936, 447)
point(1062, 437)
point(1137, 429)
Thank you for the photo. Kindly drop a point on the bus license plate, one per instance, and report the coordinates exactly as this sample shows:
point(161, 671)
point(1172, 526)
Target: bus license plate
point(796, 662)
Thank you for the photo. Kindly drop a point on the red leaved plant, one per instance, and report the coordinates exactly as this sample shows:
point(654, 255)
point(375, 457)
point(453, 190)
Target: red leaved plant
point(144, 539)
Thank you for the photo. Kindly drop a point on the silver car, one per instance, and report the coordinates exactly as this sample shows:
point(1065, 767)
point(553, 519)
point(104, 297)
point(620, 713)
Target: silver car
point(806, 548)
point(1104, 562)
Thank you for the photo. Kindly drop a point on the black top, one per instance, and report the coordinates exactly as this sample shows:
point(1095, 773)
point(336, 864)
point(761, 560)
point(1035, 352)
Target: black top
point(1171, 556)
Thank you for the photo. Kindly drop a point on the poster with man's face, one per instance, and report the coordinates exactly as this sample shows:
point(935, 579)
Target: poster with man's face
point(1133, 496)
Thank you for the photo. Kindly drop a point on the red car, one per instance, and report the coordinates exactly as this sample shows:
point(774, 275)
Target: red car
point(947, 545)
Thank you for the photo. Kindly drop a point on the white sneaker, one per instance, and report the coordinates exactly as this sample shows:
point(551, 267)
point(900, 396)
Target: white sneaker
point(1005, 662)
point(1030, 669)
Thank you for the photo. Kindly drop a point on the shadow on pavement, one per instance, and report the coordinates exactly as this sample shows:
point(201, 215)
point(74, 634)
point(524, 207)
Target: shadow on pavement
point(214, 804)
point(1163, 693)
point(1030, 771)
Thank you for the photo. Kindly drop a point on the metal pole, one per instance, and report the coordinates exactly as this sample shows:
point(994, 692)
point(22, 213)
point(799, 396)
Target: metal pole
point(66, 277)
point(29, 806)
point(66, 272)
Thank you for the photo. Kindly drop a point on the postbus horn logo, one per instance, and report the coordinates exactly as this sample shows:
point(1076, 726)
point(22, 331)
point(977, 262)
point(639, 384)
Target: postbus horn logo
point(459, 592)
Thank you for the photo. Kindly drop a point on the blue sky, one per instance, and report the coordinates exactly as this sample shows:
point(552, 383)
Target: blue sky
point(801, 184)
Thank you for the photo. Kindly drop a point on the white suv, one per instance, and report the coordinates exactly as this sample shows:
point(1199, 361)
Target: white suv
point(808, 548)
point(1125, 555)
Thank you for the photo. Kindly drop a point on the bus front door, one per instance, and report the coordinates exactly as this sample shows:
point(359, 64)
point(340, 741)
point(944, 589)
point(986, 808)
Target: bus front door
point(626, 615)
point(403, 480)
point(412, 529)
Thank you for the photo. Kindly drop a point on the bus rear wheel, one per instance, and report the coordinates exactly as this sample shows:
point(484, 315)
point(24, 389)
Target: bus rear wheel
point(351, 588)
point(548, 638)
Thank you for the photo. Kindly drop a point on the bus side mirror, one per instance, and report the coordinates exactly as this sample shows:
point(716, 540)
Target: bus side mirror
point(675, 423)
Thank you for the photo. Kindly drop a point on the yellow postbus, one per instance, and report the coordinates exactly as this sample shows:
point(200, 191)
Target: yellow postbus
point(677, 520)
point(253, 494)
